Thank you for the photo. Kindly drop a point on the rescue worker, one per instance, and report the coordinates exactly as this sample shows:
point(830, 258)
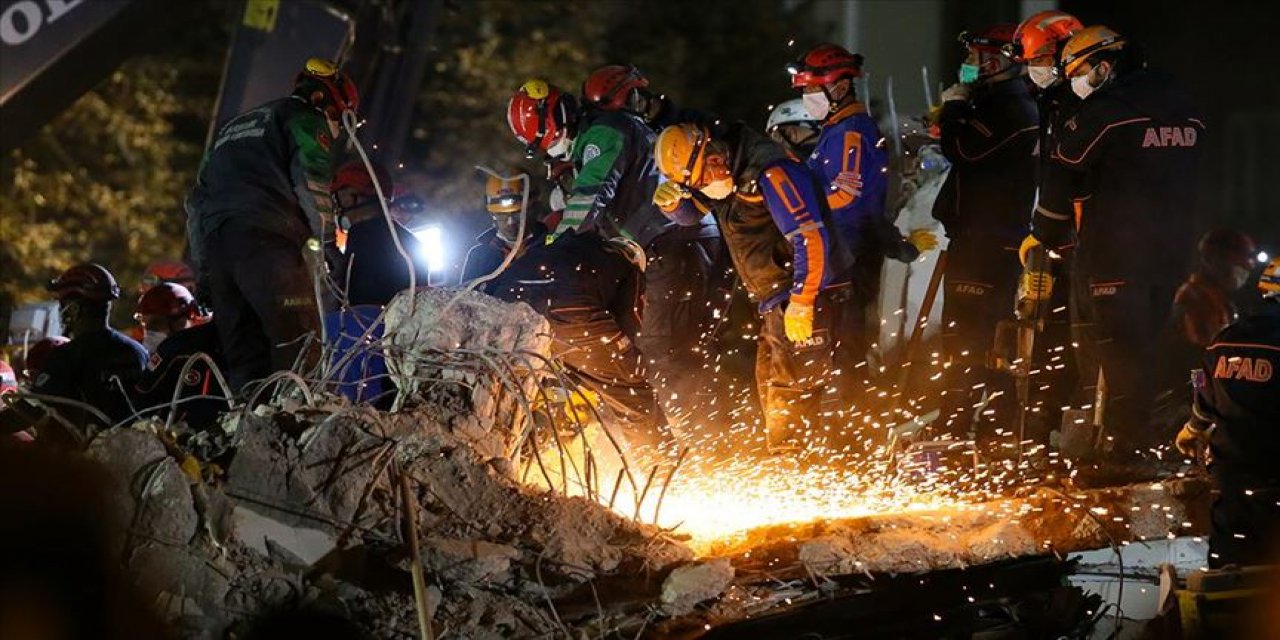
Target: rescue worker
point(988, 127)
point(852, 165)
point(613, 154)
point(1203, 305)
point(791, 126)
point(687, 278)
point(504, 200)
point(100, 365)
point(1237, 415)
point(163, 310)
point(260, 218)
point(174, 271)
point(164, 373)
point(791, 262)
point(374, 270)
point(1036, 44)
point(1122, 180)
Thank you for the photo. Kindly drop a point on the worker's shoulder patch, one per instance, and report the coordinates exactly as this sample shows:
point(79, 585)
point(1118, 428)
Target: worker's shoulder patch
point(154, 361)
point(590, 152)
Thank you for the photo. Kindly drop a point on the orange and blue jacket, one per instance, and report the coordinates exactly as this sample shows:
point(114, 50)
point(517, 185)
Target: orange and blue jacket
point(851, 142)
point(792, 196)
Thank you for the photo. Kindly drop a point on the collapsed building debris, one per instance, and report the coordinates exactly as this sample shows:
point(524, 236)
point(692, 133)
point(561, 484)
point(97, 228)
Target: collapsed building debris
point(307, 507)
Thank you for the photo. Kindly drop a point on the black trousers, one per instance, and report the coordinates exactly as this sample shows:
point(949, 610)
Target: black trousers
point(1244, 525)
point(803, 386)
point(1119, 326)
point(264, 302)
point(601, 357)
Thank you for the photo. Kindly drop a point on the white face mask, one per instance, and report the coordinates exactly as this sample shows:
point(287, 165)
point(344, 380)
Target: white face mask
point(560, 150)
point(1081, 87)
point(556, 199)
point(718, 190)
point(1239, 276)
point(816, 104)
point(152, 339)
point(1043, 77)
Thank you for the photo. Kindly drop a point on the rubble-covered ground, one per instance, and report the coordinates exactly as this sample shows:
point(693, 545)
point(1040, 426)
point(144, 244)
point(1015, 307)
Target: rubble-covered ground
point(302, 501)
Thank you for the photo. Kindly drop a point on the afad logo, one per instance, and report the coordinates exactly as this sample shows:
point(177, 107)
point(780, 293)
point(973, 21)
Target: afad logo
point(1169, 137)
point(1241, 368)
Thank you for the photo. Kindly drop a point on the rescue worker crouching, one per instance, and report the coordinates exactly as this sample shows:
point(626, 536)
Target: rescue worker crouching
point(260, 223)
point(173, 308)
point(988, 125)
point(791, 262)
point(1236, 413)
point(1120, 187)
point(851, 163)
point(589, 290)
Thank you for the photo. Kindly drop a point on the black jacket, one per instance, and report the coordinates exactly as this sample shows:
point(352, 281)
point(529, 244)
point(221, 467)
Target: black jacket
point(375, 270)
point(1055, 106)
point(990, 142)
point(1241, 395)
point(99, 368)
point(1129, 158)
point(164, 369)
point(586, 290)
point(269, 168)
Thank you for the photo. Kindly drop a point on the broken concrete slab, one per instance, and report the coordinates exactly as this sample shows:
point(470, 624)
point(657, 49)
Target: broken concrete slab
point(694, 583)
point(470, 561)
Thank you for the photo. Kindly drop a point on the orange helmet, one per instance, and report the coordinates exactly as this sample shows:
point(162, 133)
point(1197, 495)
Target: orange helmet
point(609, 86)
point(166, 299)
point(1042, 34)
point(539, 114)
point(681, 153)
point(823, 65)
point(1085, 44)
point(336, 88)
point(167, 271)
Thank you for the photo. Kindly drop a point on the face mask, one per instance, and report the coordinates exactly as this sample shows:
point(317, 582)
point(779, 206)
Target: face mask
point(556, 199)
point(1239, 276)
point(968, 73)
point(1081, 87)
point(560, 150)
point(1043, 77)
point(816, 104)
point(718, 190)
point(152, 339)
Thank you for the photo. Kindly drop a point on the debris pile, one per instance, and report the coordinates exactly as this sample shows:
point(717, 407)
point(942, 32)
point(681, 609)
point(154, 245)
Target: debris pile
point(305, 506)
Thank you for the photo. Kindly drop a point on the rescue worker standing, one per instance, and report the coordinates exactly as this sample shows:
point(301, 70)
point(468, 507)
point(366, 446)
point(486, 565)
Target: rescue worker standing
point(1036, 44)
point(988, 126)
point(261, 201)
point(852, 164)
point(1122, 179)
point(1236, 413)
point(504, 200)
point(792, 264)
point(100, 365)
point(164, 310)
point(374, 270)
point(791, 126)
point(1203, 304)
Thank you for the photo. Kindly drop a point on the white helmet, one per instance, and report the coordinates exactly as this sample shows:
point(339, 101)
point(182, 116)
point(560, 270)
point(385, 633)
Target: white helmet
point(789, 112)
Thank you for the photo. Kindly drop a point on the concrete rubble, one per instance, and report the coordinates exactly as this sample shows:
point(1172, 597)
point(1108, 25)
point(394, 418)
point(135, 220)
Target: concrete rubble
point(307, 511)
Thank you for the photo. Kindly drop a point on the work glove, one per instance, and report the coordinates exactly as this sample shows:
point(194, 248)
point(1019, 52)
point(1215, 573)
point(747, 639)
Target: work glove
point(668, 196)
point(848, 182)
point(922, 239)
point(1028, 243)
point(1035, 286)
point(958, 92)
point(798, 321)
point(1191, 441)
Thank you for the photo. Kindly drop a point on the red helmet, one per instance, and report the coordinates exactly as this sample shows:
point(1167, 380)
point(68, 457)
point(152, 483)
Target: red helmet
point(823, 65)
point(39, 354)
point(608, 87)
point(338, 91)
point(86, 281)
point(167, 299)
point(167, 271)
point(993, 39)
point(1042, 34)
point(539, 114)
point(355, 176)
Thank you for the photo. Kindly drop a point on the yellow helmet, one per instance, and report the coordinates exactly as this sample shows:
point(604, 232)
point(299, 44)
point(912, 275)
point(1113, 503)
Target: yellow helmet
point(1269, 281)
point(1085, 43)
point(503, 196)
point(681, 153)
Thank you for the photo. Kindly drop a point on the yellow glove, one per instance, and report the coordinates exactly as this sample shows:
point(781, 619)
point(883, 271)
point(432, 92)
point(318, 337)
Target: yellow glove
point(1028, 243)
point(190, 467)
point(923, 239)
point(1035, 286)
point(798, 321)
point(668, 196)
point(1191, 441)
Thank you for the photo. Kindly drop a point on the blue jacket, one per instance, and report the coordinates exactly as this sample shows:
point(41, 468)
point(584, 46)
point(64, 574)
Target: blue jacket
point(791, 194)
point(851, 141)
